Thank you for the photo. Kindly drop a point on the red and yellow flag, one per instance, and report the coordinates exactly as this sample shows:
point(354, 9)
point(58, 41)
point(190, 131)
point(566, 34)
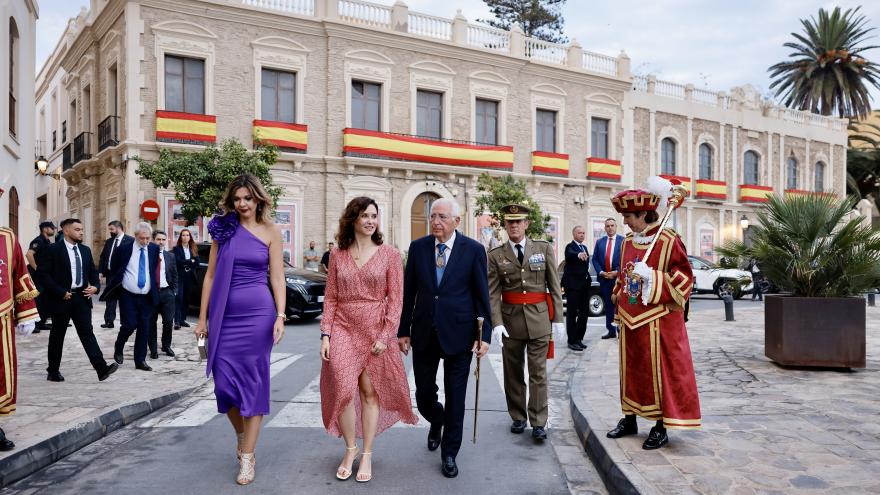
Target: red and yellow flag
point(282, 134)
point(711, 189)
point(550, 163)
point(375, 144)
point(603, 168)
point(753, 193)
point(185, 127)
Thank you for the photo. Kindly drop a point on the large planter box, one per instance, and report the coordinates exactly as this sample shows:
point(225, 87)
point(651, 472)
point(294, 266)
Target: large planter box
point(811, 331)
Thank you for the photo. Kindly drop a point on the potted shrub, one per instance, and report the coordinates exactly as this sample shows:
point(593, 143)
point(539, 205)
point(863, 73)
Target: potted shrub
point(823, 260)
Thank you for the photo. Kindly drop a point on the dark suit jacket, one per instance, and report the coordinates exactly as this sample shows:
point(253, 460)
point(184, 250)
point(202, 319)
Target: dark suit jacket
point(105, 253)
point(599, 257)
point(577, 271)
point(121, 257)
point(453, 306)
point(170, 270)
point(182, 264)
point(54, 273)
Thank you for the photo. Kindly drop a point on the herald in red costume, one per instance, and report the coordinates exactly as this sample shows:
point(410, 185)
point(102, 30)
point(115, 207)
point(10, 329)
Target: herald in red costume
point(657, 379)
point(17, 305)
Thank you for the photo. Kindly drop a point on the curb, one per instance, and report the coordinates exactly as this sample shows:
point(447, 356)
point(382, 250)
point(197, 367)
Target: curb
point(616, 469)
point(37, 456)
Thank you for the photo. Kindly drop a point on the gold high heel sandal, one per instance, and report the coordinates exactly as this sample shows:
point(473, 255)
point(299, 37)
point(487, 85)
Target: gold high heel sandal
point(240, 437)
point(343, 473)
point(366, 477)
point(247, 469)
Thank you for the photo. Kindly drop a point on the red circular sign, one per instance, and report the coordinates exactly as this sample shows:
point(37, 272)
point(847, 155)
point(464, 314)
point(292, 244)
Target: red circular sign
point(150, 210)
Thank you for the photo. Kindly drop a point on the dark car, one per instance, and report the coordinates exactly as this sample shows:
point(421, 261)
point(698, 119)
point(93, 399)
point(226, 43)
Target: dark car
point(596, 304)
point(305, 288)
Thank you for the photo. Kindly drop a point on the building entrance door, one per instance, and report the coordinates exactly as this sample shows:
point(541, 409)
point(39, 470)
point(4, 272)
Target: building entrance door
point(420, 225)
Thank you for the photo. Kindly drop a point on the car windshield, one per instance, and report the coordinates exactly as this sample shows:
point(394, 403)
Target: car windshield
point(704, 261)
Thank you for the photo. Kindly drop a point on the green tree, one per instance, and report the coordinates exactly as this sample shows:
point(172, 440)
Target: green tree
point(199, 178)
point(863, 173)
point(540, 19)
point(504, 190)
point(827, 73)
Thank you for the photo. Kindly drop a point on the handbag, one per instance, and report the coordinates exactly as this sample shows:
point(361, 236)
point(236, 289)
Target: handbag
point(202, 344)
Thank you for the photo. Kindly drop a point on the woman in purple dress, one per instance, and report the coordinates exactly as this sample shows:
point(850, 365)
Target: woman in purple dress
point(241, 313)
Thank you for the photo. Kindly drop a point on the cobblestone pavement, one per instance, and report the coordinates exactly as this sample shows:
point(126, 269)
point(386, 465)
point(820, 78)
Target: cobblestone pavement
point(766, 429)
point(46, 409)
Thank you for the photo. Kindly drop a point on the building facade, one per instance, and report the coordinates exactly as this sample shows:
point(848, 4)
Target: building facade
point(17, 31)
point(365, 99)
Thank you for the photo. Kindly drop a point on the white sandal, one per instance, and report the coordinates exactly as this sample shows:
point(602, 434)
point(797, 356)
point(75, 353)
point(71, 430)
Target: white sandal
point(247, 469)
point(367, 477)
point(343, 473)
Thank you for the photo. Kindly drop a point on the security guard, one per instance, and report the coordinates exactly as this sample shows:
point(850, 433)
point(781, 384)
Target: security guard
point(35, 249)
point(526, 299)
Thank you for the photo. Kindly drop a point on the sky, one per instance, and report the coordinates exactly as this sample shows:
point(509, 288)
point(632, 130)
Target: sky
point(712, 44)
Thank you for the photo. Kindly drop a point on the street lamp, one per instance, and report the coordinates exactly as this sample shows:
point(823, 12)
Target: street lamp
point(41, 164)
point(744, 222)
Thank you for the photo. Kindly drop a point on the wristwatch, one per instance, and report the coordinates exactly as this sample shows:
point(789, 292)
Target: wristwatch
point(325, 335)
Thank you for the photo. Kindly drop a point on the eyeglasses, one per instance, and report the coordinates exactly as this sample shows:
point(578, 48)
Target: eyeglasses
point(441, 216)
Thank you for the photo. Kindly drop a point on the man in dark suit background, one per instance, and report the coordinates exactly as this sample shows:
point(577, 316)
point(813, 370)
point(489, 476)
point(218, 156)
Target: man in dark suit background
point(69, 279)
point(576, 282)
point(606, 262)
point(134, 282)
point(445, 289)
point(167, 297)
point(117, 239)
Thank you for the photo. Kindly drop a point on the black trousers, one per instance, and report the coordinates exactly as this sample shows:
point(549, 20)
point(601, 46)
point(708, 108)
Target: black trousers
point(576, 313)
point(166, 309)
point(456, 368)
point(110, 311)
point(135, 312)
point(79, 309)
point(184, 285)
point(610, 308)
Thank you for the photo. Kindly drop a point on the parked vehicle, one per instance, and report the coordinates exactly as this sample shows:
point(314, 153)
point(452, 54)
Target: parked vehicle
point(305, 288)
point(709, 278)
point(596, 304)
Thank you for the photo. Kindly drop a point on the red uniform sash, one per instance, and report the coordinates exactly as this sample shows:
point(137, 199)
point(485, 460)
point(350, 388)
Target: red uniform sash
point(513, 297)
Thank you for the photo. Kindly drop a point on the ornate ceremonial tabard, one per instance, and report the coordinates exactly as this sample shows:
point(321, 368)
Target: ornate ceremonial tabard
point(657, 378)
point(17, 293)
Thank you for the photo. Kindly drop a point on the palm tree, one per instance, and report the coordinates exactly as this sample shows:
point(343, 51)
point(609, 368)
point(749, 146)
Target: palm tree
point(826, 73)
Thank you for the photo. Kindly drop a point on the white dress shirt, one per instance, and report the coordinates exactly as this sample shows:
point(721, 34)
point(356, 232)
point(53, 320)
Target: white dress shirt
point(163, 280)
point(186, 253)
point(113, 246)
point(513, 247)
point(130, 279)
point(70, 247)
point(449, 242)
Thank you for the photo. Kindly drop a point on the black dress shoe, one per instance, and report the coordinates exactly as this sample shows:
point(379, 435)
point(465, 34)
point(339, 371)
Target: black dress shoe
point(55, 377)
point(117, 356)
point(184, 324)
point(5, 444)
point(518, 426)
point(576, 347)
point(624, 427)
point(109, 370)
point(434, 436)
point(154, 354)
point(656, 439)
point(449, 468)
point(143, 366)
point(36, 330)
point(177, 326)
point(107, 324)
point(539, 433)
point(168, 351)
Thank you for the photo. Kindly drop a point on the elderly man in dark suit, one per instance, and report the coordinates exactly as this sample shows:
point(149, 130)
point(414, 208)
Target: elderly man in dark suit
point(117, 239)
point(445, 289)
point(576, 282)
point(167, 297)
point(69, 279)
point(134, 282)
point(606, 262)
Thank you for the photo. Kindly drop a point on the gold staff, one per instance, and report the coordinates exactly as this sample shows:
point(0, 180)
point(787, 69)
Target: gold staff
point(480, 321)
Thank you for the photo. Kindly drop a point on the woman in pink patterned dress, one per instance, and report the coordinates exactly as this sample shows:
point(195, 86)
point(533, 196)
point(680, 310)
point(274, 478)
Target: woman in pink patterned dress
point(362, 375)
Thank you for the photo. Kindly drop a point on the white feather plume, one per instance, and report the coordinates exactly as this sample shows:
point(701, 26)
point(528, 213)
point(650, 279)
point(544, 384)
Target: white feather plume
point(662, 188)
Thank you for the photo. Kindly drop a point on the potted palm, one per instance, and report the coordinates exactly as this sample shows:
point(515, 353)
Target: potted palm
point(823, 259)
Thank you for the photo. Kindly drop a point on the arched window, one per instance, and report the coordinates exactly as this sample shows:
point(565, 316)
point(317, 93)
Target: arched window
point(791, 173)
point(750, 167)
point(819, 177)
point(13, 73)
point(667, 156)
point(705, 162)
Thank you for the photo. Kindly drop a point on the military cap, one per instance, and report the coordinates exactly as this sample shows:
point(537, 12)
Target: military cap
point(47, 224)
point(515, 212)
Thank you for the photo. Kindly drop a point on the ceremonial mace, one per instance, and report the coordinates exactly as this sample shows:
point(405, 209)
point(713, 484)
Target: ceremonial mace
point(480, 321)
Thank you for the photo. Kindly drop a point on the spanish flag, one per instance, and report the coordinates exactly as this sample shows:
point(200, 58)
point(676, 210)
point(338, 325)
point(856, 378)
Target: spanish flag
point(711, 189)
point(180, 127)
point(281, 134)
point(753, 193)
point(373, 144)
point(550, 163)
point(603, 168)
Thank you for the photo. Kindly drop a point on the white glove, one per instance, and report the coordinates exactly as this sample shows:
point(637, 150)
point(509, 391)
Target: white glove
point(647, 274)
point(559, 333)
point(25, 329)
point(497, 332)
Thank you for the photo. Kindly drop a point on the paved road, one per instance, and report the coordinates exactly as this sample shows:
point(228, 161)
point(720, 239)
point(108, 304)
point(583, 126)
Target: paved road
point(189, 448)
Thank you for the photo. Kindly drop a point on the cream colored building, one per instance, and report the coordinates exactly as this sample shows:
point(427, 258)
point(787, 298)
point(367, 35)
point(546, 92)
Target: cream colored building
point(17, 32)
point(176, 74)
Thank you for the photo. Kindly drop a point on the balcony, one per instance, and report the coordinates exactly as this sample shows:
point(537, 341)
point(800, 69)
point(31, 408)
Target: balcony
point(108, 132)
point(82, 147)
point(288, 137)
point(550, 163)
point(753, 193)
point(406, 147)
point(185, 128)
point(711, 189)
point(603, 169)
point(67, 160)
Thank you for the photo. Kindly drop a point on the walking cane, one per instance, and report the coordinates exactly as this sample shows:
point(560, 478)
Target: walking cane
point(480, 320)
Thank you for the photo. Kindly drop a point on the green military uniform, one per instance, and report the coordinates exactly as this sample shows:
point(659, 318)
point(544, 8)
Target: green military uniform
point(527, 323)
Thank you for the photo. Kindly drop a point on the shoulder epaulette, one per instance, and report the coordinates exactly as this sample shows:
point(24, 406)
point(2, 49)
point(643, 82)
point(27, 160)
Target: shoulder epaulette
point(671, 231)
point(496, 247)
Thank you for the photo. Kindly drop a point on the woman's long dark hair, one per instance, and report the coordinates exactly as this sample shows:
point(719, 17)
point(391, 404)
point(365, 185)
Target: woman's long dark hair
point(345, 235)
point(193, 249)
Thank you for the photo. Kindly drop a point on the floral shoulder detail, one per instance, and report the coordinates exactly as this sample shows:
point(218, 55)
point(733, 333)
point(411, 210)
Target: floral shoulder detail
point(223, 227)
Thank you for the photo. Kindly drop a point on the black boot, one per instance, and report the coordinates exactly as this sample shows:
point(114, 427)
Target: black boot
point(626, 426)
point(656, 438)
point(5, 444)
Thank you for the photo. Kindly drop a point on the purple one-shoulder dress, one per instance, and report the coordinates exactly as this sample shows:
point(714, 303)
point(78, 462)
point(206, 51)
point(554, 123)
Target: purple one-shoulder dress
point(241, 316)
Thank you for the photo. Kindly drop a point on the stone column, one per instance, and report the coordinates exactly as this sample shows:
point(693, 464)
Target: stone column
point(459, 28)
point(400, 17)
point(517, 42)
point(623, 65)
point(575, 56)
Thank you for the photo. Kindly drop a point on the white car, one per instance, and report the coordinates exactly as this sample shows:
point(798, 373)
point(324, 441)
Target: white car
point(709, 278)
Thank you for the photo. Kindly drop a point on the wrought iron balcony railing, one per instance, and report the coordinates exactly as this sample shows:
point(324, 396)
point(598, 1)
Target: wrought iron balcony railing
point(82, 147)
point(108, 132)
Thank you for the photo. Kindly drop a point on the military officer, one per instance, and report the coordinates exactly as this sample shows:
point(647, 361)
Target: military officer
point(526, 299)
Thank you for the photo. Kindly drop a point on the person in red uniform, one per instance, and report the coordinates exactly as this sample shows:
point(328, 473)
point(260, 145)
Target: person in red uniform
point(17, 309)
point(657, 379)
